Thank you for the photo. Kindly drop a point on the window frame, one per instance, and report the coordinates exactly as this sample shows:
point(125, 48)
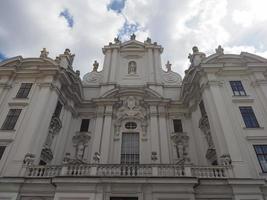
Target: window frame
point(83, 125)
point(237, 88)
point(11, 119)
point(249, 117)
point(177, 128)
point(3, 151)
point(261, 154)
point(24, 90)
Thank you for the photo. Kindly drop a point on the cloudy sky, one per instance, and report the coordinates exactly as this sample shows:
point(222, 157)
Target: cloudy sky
point(85, 26)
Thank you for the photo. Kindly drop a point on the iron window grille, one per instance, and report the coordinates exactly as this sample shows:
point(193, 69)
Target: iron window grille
point(261, 152)
point(24, 90)
point(130, 148)
point(11, 119)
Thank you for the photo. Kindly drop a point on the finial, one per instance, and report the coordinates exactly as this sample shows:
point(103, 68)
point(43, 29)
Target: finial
point(133, 36)
point(44, 53)
point(168, 66)
point(219, 50)
point(96, 64)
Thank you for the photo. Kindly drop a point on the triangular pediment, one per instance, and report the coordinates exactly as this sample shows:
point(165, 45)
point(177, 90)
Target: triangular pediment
point(132, 45)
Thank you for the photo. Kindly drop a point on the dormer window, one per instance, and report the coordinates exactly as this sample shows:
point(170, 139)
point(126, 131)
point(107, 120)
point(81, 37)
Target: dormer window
point(132, 67)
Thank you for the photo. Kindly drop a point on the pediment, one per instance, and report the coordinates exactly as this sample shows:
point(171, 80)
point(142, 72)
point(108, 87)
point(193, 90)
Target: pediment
point(244, 57)
point(132, 45)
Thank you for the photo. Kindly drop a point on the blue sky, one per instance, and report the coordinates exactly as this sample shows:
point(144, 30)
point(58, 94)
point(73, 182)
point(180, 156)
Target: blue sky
point(86, 26)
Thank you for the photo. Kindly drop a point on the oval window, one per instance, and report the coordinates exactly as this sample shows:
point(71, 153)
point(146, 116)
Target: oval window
point(130, 125)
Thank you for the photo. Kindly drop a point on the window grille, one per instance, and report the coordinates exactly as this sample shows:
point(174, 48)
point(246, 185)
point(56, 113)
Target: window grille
point(130, 148)
point(24, 90)
point(130, 125)
point(237, 88)
point(11, 119)
point(261, 152)
point(249, 117)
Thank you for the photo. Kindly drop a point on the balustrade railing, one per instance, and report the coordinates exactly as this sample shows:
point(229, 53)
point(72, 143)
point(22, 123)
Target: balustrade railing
point(117, 170)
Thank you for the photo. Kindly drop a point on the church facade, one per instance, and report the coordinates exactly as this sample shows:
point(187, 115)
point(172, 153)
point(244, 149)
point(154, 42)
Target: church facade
point(134, 131)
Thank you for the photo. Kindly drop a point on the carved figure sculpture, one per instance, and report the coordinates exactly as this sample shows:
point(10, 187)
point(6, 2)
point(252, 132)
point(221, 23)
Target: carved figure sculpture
point(132, 67)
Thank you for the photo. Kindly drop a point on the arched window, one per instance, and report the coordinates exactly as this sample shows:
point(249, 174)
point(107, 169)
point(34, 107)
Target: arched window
point(132, 67)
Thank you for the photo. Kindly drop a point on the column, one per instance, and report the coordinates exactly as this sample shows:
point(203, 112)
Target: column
point(114, 65)
point(105, 142)
point(163, 135)
point(98, 131)
point(151, 74)
point(154, 132)
point(240, 168)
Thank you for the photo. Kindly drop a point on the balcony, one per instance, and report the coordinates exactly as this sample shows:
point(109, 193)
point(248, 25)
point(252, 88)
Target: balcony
point(117, 170)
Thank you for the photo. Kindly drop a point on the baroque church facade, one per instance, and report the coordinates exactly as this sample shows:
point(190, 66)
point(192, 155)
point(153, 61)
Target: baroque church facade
point(134, 131)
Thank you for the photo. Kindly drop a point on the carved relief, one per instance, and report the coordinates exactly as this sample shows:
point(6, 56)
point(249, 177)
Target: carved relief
point(130, 110)
point(54, 128)
point(80, 142)
point(180, 141)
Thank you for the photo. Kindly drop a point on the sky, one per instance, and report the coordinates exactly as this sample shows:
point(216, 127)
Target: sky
point(85, 26)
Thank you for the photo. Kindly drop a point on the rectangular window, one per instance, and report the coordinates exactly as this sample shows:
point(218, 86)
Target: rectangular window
point(2, 150)
point(237, 88)
point(177, 125)
point(85, 125)
point(130, 148)
point(249, 117)
point(11, 119)
point(58, 109)
point(202, 109)
point(261, 151)
point(24, 90)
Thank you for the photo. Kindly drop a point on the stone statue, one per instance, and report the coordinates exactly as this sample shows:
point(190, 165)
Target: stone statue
point(168, 66)
point(132, 67)
point(133, 36)
point(148, 40)
point(196, 57)
point(96, 64)
point(44, 53)
point(116, 40)
point(180, 150)
point(219, 50)
point(80, 150)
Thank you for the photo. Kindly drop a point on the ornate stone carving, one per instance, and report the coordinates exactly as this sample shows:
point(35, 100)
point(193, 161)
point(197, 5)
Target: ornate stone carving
point(130, 110)
point(196, 57)
point(154, 156)
point(66, 158)
point(54, 128)
point(29, 159)
point(180, 141)
point(80, 142)
point(132, 67)
point(225, 159)
point(44, 53)
point(96, 157)
point(46, 155)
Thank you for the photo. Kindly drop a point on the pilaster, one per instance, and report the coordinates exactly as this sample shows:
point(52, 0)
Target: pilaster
point(155, 148)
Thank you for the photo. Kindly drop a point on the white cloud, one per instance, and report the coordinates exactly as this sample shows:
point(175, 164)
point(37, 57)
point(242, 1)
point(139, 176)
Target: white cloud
point(176, 25)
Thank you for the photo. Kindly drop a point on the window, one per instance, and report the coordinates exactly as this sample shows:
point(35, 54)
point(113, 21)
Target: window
point(237, 88)
point(202, 109)
point(11, 119)
point(123, 198)
point(130, 148)
point(58, 109)
point(85, 125)
point(261, 151)
point(130, 125)
point(24, 90)
point(2, 150)
point(249, 117)
point(177, 125)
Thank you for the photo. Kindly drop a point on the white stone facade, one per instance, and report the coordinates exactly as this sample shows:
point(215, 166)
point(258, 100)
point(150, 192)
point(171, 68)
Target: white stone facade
point(134, 129)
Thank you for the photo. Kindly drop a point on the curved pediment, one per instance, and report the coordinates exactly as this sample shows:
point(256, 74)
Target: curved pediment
point(143, 92)
point(234, 58)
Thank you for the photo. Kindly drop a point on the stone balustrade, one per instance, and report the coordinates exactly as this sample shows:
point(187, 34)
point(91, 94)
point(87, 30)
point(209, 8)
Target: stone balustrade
point(117, 170)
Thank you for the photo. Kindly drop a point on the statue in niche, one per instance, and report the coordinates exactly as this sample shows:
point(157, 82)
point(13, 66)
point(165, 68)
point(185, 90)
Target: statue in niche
point(80, 150)
point(132, 67)
point(180, 151)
